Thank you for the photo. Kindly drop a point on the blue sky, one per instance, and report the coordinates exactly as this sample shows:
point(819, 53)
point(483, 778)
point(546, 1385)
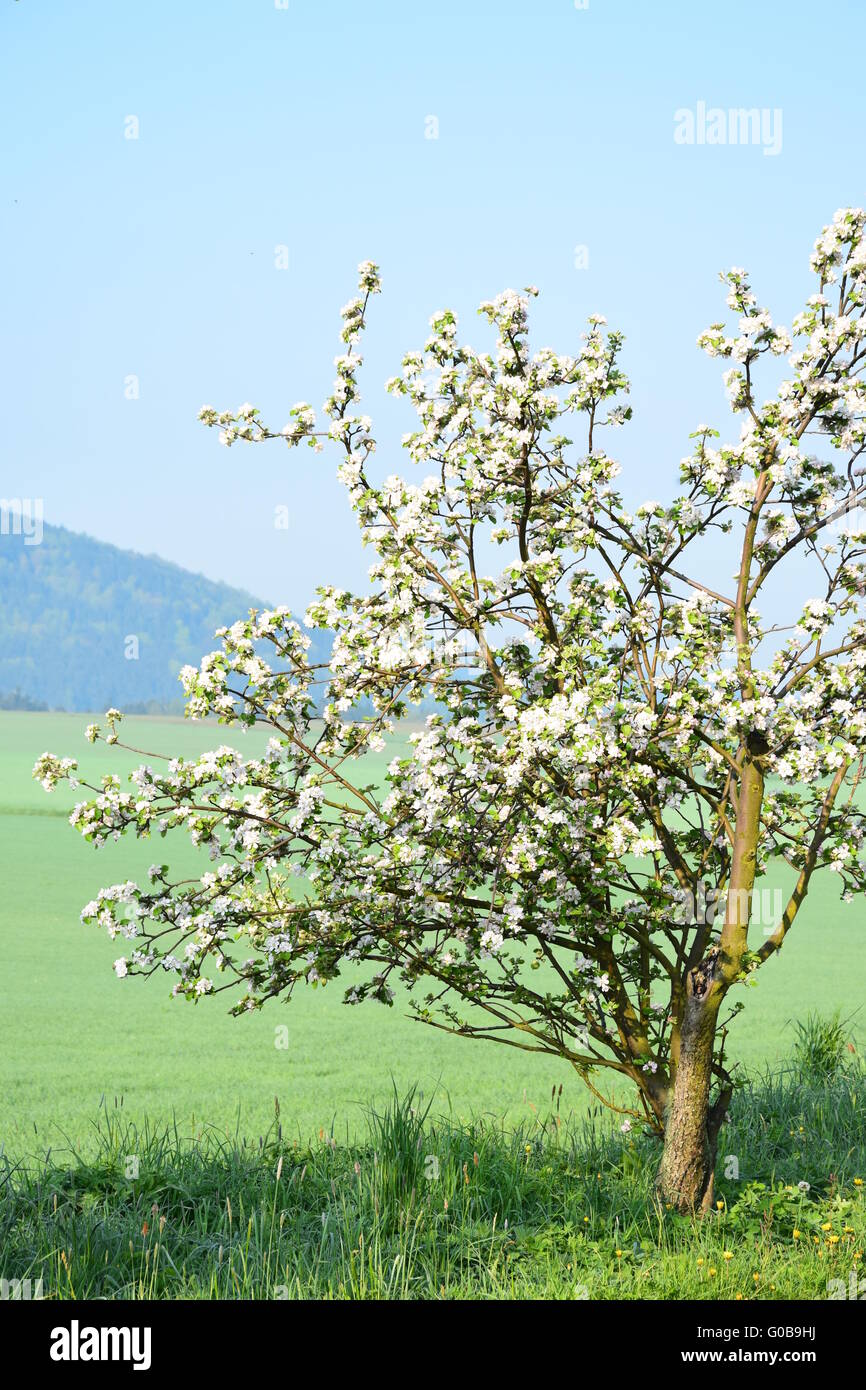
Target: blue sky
point(305, 127)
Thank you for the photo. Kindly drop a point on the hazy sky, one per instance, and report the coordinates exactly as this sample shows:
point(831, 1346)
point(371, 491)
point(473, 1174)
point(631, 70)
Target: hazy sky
point(306, 127)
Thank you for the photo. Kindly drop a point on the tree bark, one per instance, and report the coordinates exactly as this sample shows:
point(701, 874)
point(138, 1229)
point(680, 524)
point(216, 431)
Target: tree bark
point(685, 1177)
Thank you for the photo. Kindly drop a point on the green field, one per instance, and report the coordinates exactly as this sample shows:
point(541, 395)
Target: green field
point(77, 1039)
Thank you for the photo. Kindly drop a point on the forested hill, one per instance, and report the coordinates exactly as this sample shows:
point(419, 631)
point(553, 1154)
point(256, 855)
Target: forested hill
point(74, 612)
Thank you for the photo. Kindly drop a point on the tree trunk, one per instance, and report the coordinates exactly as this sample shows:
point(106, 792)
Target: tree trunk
point(685, 1177)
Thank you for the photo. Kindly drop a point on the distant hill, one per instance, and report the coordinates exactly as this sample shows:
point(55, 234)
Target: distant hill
point(74, 611)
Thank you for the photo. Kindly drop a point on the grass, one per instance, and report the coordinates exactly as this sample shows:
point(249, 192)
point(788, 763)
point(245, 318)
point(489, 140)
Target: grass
point(78, 1041)
point(425, 1206)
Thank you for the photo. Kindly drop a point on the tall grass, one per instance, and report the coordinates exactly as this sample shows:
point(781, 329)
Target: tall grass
point(822, 1046)
point(428, 1207)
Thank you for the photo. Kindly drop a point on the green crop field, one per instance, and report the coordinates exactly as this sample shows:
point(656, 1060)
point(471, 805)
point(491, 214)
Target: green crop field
point(76, 1039)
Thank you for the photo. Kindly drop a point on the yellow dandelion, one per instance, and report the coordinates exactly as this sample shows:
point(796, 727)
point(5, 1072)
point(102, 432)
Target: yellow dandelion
point(727, 1254)
point(827, 1226)
point(796, 1235)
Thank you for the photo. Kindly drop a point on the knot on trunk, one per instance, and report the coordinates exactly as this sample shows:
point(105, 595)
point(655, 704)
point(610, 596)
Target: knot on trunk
point(702, 976)
point(757, 743)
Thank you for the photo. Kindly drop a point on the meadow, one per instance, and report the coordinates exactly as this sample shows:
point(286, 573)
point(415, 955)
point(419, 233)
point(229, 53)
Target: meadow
point(420, 1207)
point(372, 1157)
point(78, 1042)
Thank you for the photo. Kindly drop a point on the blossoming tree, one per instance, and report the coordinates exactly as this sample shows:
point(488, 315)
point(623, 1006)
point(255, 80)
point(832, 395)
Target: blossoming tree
point(564, 858)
